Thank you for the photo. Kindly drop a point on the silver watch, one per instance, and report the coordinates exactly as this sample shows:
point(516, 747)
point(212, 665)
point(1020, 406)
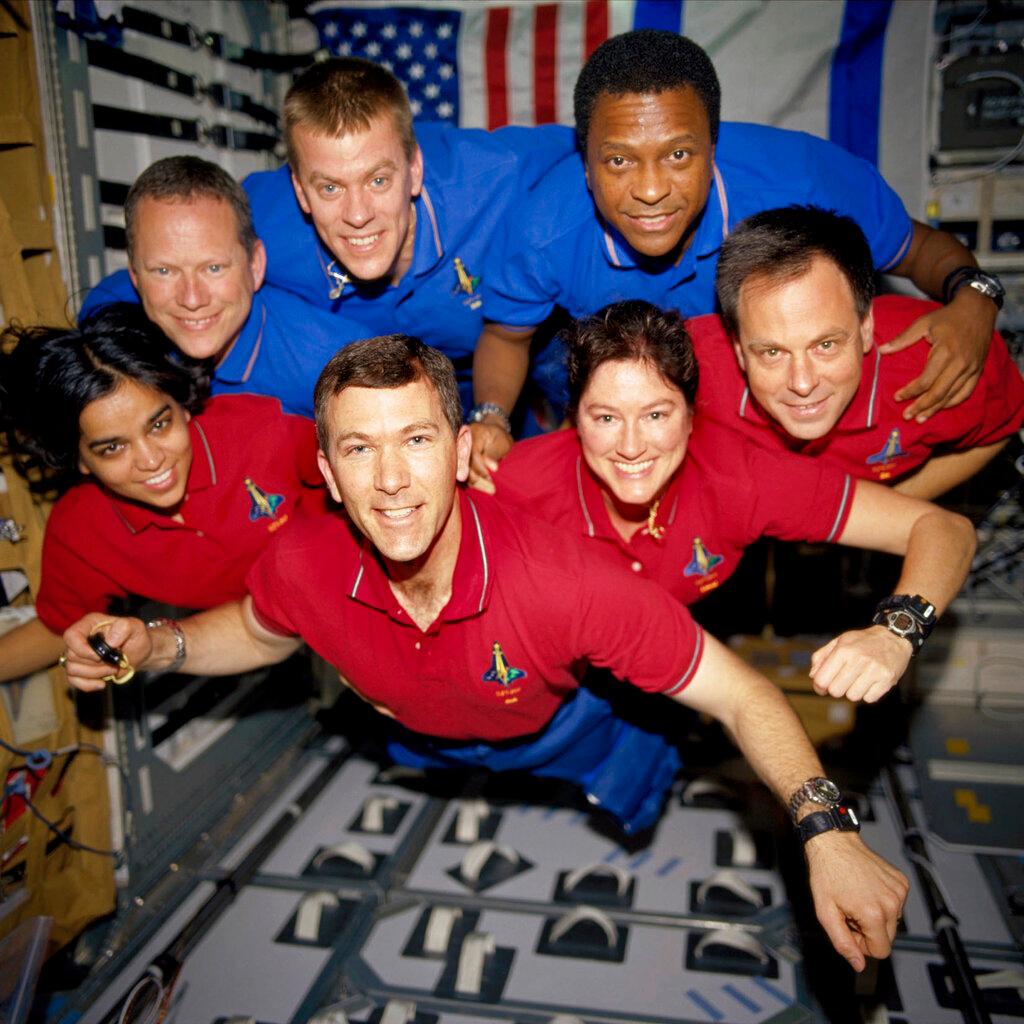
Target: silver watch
point(974, 277)
point(815, 791)
point(483, 409)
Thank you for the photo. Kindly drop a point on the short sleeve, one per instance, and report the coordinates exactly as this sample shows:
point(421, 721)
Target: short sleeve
point(267, 583)
point(798, 497)
point(636, 630)
point(519, 288)
point(851, 185)
point(525, 272)
point(71, 586)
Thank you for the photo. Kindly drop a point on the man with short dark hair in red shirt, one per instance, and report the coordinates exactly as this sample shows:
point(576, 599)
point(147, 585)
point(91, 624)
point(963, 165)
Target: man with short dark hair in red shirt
point(804, 371)
point(466, 624)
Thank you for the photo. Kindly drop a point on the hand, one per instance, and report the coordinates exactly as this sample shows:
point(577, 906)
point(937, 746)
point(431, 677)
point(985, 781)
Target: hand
point(858, 896)
point(491, 444)
point(959, 335)
point(85, 670)
point(863, 664)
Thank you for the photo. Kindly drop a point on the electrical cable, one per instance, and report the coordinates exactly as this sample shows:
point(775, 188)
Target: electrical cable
point(40, 759)
point(19, 788)
point(963, 29)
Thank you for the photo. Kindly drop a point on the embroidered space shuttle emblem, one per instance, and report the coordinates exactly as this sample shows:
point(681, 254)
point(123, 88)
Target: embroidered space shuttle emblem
point(702, 562)
point(468, 284)
point(264, 506)
point(881, 462)
point(890, 450)
point(501, 671)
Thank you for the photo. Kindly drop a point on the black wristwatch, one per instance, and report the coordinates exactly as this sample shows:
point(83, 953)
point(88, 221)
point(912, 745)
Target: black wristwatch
point(814, 791)
point(988, 284)
point(912, 618)
point(836, 819)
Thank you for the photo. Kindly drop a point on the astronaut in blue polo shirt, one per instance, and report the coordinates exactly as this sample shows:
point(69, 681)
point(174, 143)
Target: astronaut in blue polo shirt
point(389, 228)
point(197, 267)
point(641, 213)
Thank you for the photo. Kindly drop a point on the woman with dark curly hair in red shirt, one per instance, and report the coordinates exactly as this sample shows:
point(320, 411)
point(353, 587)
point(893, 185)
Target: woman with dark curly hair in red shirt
point(164, 495)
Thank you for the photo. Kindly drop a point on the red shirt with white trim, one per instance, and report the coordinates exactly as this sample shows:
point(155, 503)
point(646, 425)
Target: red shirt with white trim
point(727, 493)
point(528, 608)
point(252, 467)
point(871, 439)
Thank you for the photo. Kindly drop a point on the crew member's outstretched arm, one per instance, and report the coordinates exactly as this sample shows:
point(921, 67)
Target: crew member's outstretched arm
point(858, 896)
point(220, 642)
point(26, 649)
point(937, 548)
point(941, 473)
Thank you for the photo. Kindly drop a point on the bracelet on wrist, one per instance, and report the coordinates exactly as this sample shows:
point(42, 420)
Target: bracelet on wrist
point(179, 642)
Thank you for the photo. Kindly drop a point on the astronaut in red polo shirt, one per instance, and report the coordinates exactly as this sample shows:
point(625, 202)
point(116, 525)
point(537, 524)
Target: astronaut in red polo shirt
point(677, 497)
point(252, 467)
point(447, 613)
point(798, 358)
point(164, 494)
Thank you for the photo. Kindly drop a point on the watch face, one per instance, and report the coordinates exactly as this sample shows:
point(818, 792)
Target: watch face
point(989, 286)
point(824, 791)
point(903, 623)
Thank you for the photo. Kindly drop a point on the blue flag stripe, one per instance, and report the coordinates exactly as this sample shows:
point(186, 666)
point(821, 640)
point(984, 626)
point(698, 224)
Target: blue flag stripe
point(855, 98)
point(666, 14)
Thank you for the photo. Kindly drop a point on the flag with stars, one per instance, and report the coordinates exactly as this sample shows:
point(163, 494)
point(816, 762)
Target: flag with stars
point(418, 45)
point(484, 64)
point(819, 68)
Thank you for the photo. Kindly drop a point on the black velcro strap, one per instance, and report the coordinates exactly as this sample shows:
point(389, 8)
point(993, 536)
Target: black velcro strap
point(113, 193)
point(226, 98)
point(163, 28)
point(226, 137)
point(220, 46)
point(114, 237)
point(110, 58)
point(260, 60)
point(117, 119)
point(184, 129)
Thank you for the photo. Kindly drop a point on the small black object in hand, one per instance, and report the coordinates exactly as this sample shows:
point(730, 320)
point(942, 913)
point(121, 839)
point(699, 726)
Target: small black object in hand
point(111, 655)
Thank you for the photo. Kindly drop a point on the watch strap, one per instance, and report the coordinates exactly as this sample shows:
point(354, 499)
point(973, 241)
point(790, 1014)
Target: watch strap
point(482, 409)
point(921, 614)
point(988, 284)
point(835, 819)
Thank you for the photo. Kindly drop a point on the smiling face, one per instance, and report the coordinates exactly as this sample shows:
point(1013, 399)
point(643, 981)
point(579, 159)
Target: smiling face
point(359, 188)
point(194, 277)
point(393, 462)
point(633, 427)
point(135, 442)
point(648, 161)
point(802, 345)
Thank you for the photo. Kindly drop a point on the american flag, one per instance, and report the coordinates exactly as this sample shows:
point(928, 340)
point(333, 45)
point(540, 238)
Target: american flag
point(852, 71)
point(484, 65)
